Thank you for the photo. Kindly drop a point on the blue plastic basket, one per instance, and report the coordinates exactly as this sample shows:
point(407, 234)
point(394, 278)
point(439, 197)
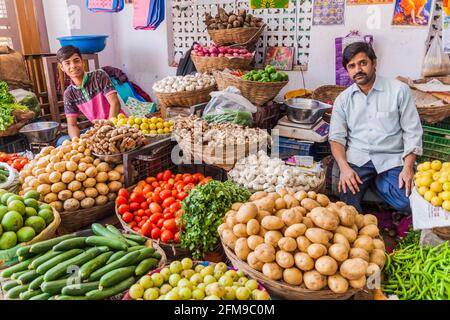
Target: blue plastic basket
point(291, 147)
point(86, 44)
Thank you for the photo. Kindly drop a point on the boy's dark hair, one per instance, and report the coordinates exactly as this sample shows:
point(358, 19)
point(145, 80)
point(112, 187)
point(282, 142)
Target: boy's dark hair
point(66, 52)
point(355, 48)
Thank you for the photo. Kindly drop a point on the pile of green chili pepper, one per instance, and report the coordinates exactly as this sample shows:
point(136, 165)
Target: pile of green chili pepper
point(419, 273)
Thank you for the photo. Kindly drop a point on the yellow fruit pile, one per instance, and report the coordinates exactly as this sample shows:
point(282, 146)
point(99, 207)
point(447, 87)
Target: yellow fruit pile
point(433, 183)
point(145, 125)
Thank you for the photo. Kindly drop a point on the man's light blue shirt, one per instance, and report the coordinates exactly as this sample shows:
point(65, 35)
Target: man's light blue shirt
point(383, 126)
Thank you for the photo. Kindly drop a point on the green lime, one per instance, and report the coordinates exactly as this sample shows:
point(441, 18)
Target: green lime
point(16, 205)
point(6, 196)
point(30, 212)
point(37, 223)
point(8, 240)
point(45, 206)
point(47, 215)
point(32, 194)
point(3, 211)
point(25, 234)
point(14, 198)
point(12, 221)
point(32, 203)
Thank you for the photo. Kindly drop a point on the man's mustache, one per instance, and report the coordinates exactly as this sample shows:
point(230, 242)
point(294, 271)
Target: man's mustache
point(359, 74)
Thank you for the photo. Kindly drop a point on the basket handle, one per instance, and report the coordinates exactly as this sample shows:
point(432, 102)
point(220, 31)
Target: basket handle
point(255, 36)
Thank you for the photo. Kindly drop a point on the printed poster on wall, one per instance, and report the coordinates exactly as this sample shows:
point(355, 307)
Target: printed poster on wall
point(328, 12)
point(269, 4)
point(366, 2)
point(446, 26)
point(416, 13)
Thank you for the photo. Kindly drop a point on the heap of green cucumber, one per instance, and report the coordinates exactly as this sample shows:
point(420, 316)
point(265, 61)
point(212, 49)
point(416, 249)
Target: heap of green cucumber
point(75, 267)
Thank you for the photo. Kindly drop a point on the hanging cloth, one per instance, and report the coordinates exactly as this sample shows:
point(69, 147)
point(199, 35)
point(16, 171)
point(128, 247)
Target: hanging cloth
point(105, 5)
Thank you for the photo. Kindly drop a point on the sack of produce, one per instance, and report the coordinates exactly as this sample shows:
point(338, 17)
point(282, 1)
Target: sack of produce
point(26, 98)
point(229, 106)
point(436, 62)
point(12, 69)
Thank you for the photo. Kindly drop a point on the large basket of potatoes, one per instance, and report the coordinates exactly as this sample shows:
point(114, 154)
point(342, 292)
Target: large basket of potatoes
point(302, 246)
point(72, 181)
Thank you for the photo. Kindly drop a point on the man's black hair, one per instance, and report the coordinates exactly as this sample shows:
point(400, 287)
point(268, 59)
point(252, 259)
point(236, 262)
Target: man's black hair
point(66, 52)
point(355, 48)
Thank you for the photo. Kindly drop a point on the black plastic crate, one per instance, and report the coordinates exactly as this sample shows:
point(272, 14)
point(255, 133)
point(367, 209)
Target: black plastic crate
point(13, 144)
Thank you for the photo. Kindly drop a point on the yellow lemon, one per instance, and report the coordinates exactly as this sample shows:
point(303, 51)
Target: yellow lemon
point(426, 174)
point(436, 176)
point(166, 125)
point(130, 122)
point(436, 201)
point(422, 190)
point(153, 132)
point(431, 171)
point(446, 166)
point(429, 195)
point(426, 166)
point(445, 195)
point(159, 125)
point(138, 121)
point(166, 130)
point(121, 116)
point(153, 126)
point(425, 182)
point(144, 126)
point(436, 187)
point(171, 122)
point(153, 120)
point(446, 186)
point(145, 120)
point(442, 180)
point(136, 126)
point(122, 122)
point(160, 131)
point(161, 120)
point(171, 129)
point(436, 165)
point(446, 205)
point(145, 132)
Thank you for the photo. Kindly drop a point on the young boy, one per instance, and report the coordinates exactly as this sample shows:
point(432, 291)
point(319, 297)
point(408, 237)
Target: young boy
point(91, 93)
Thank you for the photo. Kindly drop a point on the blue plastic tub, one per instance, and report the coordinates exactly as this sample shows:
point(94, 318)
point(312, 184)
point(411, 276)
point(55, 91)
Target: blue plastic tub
point(86, 44)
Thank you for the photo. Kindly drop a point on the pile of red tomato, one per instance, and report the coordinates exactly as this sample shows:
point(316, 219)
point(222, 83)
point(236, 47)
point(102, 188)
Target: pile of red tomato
point(153, 208)
point(14, 160)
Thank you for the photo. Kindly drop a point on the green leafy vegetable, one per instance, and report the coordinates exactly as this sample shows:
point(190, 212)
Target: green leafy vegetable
point(204, 210)
point(7, 106)
point(5, 96)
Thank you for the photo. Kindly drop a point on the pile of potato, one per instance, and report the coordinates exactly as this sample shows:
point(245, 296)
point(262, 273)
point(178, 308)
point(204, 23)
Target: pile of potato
point(69, 178)
point(304, 239)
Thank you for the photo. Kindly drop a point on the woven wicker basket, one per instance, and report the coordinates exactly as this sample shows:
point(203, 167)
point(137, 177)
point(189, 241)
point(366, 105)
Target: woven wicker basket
point(327, 93)
point(443, 232)
point(208, 155)
point(73, 221)
point(283, 290)
point(209, 64)
point(256, 92)
point(241, 36)
point(185, 98)
point(7, 256)
point(434, 114)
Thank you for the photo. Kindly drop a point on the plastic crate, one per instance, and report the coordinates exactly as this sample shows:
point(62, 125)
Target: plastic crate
point(291, 147)
point(13, 144)
point(436, 144)
point(157, 157)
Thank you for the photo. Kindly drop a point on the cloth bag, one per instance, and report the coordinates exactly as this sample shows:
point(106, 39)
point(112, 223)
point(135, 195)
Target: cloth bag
point(342, 78)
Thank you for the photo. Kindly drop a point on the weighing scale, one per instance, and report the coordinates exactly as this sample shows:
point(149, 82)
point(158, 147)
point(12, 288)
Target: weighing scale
point(317, 132)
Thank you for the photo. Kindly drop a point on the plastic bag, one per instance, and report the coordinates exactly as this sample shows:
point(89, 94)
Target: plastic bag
point(26, 98)
point(229, 106)
point(436, 62)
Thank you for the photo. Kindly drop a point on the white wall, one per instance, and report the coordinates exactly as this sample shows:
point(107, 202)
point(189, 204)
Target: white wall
point(143, 55)
point(71, 18)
